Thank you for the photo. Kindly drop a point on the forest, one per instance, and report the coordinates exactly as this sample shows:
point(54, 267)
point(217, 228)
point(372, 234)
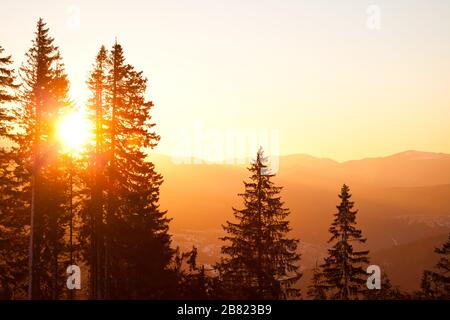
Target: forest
point(93, 200)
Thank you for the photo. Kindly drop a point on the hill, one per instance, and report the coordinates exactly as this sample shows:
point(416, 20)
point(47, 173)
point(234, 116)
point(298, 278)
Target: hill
point(403, 200)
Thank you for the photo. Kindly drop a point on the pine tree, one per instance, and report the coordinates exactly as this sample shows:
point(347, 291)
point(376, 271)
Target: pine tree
point(12, 233)
point(436, 284)
point(129, 230)
point(316, 290)
point(343, 269)
point(93, 213)
point(38, 169)
point(7, 92)
point(259, 261)
point(138, 243)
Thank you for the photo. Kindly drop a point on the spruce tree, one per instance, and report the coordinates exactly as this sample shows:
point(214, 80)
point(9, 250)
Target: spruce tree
point(39, 170)
point(127, 230)
point(344, 267)
point(436, 284)
point(259, 260)
point(93, 212)
point(7, 92)
point(12, 233)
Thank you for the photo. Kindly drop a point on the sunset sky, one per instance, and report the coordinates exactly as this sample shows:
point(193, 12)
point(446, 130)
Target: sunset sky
point(311, 70)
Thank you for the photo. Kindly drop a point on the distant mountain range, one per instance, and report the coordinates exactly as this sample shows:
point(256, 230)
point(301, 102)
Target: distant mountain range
point(403, 202)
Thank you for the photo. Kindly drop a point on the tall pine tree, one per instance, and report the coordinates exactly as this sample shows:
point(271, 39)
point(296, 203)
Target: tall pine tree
point(343, 269)
point(130, 253)
point(12, 232)
point(259, 260)
point(38, 169)
point(93, 215)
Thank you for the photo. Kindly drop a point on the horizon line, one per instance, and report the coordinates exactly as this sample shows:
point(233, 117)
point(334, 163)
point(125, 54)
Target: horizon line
point(208, 161)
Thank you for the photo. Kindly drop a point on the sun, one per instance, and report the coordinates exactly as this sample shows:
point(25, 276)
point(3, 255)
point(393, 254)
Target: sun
point(74, 130)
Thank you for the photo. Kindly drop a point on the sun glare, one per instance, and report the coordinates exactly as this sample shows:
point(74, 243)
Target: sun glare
point(74, 131)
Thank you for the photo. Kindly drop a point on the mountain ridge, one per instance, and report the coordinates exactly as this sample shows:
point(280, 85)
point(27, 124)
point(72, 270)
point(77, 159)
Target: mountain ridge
point(403, 199)
point(407, 154)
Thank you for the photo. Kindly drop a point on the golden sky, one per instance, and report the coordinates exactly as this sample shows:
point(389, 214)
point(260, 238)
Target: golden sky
point(310, 70)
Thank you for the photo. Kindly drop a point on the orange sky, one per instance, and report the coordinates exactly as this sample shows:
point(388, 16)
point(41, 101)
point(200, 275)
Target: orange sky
point(311, 72)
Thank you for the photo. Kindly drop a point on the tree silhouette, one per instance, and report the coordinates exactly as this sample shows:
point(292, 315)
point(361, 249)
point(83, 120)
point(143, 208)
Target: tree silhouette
point(343, 267)
point(39, 170)
point(12, 233)
point(7, 92)
point(127, 234)
point(92, 236)
point(259, 261)
point(436, 284)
